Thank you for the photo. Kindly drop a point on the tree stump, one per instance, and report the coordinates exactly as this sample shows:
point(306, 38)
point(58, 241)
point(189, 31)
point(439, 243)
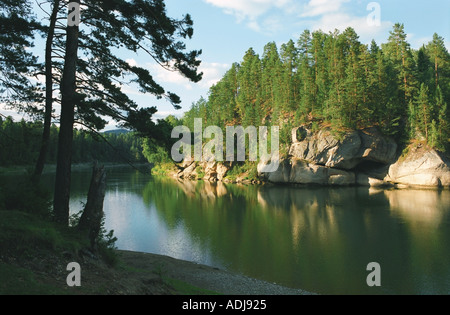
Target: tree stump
point(91, 219)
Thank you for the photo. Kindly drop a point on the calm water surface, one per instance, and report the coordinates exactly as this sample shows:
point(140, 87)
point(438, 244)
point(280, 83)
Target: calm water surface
point(316, 239)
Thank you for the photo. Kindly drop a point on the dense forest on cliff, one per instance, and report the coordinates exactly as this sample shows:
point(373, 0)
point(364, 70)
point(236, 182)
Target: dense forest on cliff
point(333, 79)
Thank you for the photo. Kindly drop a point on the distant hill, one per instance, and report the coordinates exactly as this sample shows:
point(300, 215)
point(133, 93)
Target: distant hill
point(116, 131)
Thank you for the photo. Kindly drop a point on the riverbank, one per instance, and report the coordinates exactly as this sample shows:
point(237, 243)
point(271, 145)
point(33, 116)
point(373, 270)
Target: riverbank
point(207, 278)
point(35, 253)
point(51, 168)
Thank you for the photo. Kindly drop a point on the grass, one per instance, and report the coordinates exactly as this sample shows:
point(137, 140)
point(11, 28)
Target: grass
point(24, 231)
point(15, 280)
point(183, 288)
point(32, 261)
point(34, 252)
point(24, 239)
point(246, 170)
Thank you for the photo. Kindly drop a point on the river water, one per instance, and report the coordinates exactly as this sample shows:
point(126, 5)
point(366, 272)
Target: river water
point(317, 239)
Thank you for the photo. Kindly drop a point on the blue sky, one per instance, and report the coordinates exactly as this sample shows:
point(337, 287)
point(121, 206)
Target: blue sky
point(226, 29)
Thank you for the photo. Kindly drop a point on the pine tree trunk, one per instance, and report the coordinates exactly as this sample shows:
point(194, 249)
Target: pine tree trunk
point(68, 100)
point(91, 219)
point(48, 95)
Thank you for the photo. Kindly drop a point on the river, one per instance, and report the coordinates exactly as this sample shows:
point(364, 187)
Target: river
point(317, 239)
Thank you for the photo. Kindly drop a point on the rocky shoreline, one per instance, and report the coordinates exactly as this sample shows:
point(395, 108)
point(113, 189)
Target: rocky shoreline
point(362, 157)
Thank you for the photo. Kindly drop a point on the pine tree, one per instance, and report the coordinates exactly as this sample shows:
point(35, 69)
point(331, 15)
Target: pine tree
point(336, 111)
point(137, 26)
point(306, 73)
point(271, 88)
point(49, 87)
point(425, 111)
point(249, 97)
point(440, 59)
point(354, 83)
point(424, 68)
point(399, 52)
point(320, 71)
point(413, 120)
point(443, 132)
point(18, 29)
point(289, 81)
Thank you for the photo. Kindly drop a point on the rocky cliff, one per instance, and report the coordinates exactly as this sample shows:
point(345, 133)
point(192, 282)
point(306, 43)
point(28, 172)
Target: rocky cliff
point(363, 157)
point(322, 158)
point(420, 167)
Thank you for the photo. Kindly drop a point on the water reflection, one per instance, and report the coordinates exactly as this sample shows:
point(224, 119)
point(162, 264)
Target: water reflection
point(318, 239)
point(419, 205)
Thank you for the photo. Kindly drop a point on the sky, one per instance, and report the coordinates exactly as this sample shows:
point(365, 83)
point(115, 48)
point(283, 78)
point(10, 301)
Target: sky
point(225, 29)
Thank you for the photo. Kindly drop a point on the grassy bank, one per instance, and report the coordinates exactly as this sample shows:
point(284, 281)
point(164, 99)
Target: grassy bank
point(35, 253)
point(239, 172)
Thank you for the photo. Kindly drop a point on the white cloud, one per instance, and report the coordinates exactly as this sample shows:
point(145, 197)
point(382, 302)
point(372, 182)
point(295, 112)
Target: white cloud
point(249, 8)
point(320, 7)
point(251, 11)
point(163, 75)
point(131, 62)
point(417, 42)
point(366, 31)
point(329, 15)
point(6, 111)
point(212, 73)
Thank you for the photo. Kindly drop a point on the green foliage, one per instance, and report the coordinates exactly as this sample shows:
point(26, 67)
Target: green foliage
point(240, 168)
point(106, 243)
point(156, 149)
point(200, 172)
point(334, 79)
point(153, 153)
point(162, 169)
point(20, 141)
point(18, 28)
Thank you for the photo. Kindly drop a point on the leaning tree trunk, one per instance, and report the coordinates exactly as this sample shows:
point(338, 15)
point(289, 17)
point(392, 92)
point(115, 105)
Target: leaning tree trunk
point(91, 219)
point(48, 94)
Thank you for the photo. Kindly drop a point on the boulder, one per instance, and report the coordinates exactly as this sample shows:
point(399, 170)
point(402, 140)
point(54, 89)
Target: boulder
point(421, 167)
point(221, 171)
point(281, 175)
point(377, 148)
point(366, 180)
point(340, 178)
point(355, 147)
point(302, 172)
point(210, 169)
point(190, 172)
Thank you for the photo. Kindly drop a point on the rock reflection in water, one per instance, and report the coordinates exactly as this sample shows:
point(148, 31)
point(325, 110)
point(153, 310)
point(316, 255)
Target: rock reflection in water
point(419, 205)
point(318, 239)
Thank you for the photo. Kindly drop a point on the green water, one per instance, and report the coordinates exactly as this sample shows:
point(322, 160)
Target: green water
point(316, 239)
